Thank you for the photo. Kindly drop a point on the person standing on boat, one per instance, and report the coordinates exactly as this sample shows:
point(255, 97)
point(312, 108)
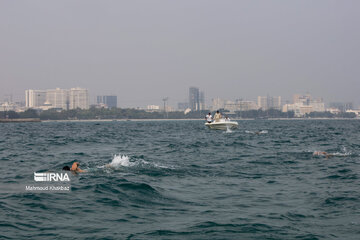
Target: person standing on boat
point(208, 118)
point(217, 116)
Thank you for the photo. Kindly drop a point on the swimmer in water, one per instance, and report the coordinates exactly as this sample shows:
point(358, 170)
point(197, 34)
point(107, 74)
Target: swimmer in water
point(320, 153)
point(74, 168)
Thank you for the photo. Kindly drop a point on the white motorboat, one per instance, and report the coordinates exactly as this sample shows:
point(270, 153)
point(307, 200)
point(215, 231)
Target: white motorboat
point(222, 125)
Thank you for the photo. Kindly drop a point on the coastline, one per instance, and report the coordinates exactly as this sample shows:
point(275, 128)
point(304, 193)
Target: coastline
point(193, 119)
point(22, 120)
point(18, 120)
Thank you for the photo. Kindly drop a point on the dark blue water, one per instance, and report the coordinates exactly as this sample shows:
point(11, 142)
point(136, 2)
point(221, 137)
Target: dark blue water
point(179, 180)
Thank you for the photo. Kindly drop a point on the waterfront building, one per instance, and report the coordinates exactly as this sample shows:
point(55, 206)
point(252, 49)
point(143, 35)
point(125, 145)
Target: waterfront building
point(35, 98)
point(302, 99)
point(218, 103)
point(57, 98)
point(266, 103)
point(240, 105)
point(109, 101)
point(288, 107)
point(333, 110)
point(153, 108)
point(357, 112)
point(342, 106)
point(182, 106)
point(78, 98)
point(304, 104)
point(318, 105)
point(303, 110)
point(230, 106)
point(246, 105)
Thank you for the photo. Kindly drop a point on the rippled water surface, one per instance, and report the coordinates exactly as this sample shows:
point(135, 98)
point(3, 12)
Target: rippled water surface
point(179, 180)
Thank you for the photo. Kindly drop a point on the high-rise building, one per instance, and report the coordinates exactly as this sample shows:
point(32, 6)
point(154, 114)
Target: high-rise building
point(58, 98)
point(153, 108)
point(78, 98)
point(240, 105)
point(304, 104)
point(194, 99)
point(302, 99)
point(35, 98)
point(218, 103)
point(342, 106)
point(266, 103)
point(246, 105)
point(109, 101)
point(317, 105)
point(202, 101)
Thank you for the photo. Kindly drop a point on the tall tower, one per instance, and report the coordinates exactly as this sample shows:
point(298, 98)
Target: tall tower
point(194, 99)
point(202, 101)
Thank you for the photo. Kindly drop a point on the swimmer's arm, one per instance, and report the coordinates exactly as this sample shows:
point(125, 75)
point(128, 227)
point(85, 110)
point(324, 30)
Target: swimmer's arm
point(109, 166)
point(328, 156)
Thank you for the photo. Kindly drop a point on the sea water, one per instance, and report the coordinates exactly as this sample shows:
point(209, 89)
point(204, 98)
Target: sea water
point(180, 180)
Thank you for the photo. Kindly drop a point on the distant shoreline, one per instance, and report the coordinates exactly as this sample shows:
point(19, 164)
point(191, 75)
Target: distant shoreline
point(158, 120)
point(18, 120)
point(191, 119)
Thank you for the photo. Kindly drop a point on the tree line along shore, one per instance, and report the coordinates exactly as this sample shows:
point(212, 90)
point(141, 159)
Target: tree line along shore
point(128, 113)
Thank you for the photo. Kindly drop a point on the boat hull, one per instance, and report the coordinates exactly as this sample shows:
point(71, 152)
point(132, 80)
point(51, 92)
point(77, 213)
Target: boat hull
point(222, 125)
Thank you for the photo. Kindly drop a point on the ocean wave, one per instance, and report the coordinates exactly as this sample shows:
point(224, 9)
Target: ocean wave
point(257, 132)
point(119, 161)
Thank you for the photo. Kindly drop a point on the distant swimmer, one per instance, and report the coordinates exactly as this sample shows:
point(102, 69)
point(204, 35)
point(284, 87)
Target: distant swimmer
point(320, 153)
point(75, 168)
point(258, 132)
point(208, 118)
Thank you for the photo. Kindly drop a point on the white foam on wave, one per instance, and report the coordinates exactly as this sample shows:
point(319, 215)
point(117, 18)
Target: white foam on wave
point(121, 160)
point(341, 154)
point(124, 161)
point(162, 166)
point(257, 132)
point(228, 130)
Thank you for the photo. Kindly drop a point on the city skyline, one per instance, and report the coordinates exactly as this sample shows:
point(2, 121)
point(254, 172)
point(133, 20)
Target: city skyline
point(228, 49)
point(79, 98)
point(93, 98)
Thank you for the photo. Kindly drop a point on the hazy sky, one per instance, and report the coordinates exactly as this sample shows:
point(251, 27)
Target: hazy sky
point(145, 50)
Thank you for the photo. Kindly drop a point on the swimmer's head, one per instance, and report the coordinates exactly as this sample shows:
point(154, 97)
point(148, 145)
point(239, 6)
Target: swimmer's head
point(74, 166)
point(66, 168)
